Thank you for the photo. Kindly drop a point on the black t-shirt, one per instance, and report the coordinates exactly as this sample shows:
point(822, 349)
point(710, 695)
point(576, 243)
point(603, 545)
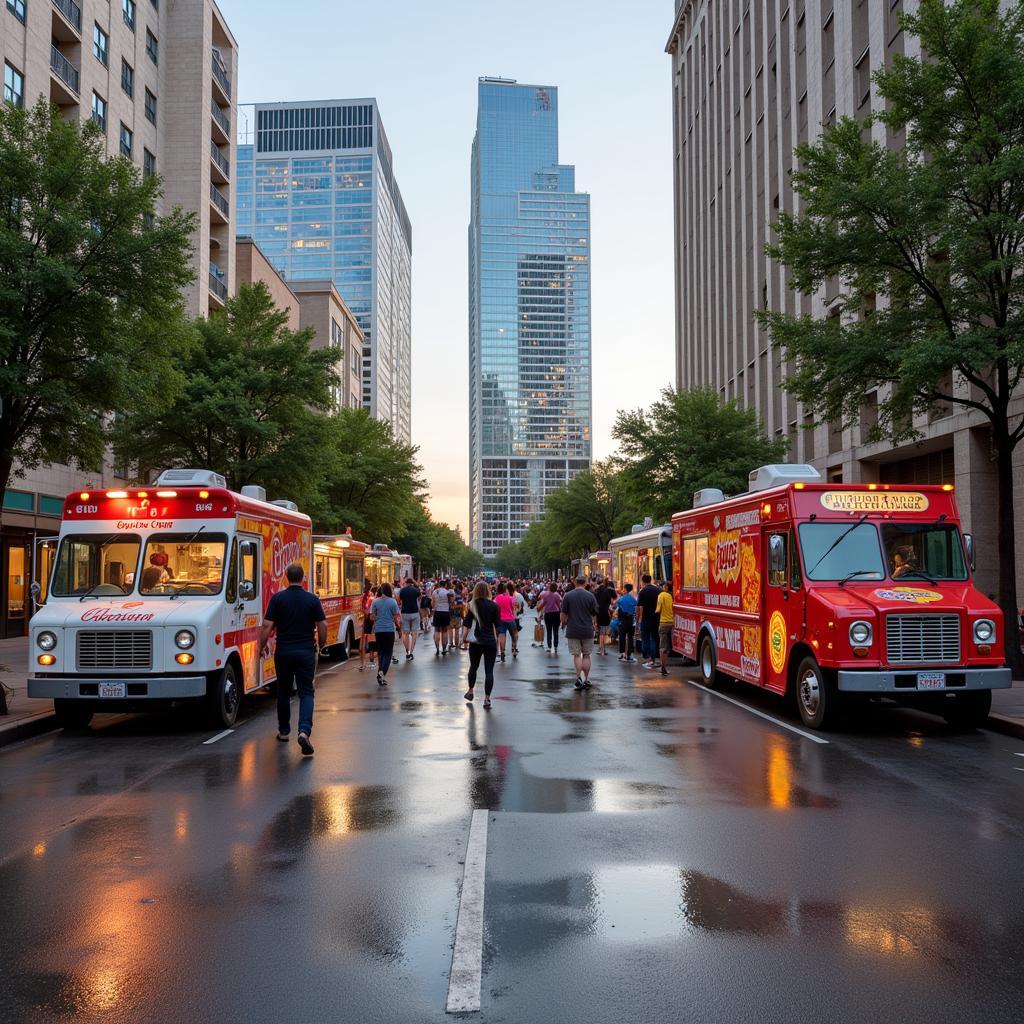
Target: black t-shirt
point(486, 614)
point(647, 599)
point(409, 599)
point(295, 612)
point(605, 596)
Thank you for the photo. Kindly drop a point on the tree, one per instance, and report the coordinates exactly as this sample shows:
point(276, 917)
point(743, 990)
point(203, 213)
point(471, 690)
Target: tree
point(686, 441)
point(248, 405)
point(369, 480)
point(436, 547)
point(935, 230)
point(91, 314)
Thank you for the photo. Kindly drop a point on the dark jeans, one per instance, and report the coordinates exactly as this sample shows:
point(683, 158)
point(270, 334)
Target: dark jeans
point(295, 668)
point(552, 622)
point(649, 639)
point(627, 629)
point(385, 651)
point(488, 652)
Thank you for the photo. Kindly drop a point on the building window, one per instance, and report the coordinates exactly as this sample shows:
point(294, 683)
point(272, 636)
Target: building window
point(127, 78)
point(128, 10)
point(126, 140)
point(150, 107)
point(100, 44)
point(14, 86)
point(17, 8)
point(148, 164)
point(99, 110)
point(152, 47)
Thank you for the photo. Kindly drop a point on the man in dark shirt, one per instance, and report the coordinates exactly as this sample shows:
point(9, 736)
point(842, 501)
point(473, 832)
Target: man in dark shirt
point(301, 626)
point(647, 616)
point(409, 602)
point(579, 616)
point(605, 595)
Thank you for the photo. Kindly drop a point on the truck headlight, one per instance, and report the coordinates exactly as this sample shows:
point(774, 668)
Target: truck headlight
point(46, 640)
point(984, 631)
point(184, 638)
point(860, 633)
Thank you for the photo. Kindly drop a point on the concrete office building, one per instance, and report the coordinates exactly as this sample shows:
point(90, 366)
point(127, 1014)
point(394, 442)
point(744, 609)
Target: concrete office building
point(159, 78)
point(750, 81)
point(529, 314)
point(317, 191)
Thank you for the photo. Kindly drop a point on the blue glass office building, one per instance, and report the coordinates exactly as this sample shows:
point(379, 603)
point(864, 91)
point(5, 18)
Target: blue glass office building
point(529, 314)
point(316, 189)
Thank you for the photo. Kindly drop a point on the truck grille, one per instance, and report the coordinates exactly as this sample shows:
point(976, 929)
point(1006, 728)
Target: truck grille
point(115, 648)
point(922, 639)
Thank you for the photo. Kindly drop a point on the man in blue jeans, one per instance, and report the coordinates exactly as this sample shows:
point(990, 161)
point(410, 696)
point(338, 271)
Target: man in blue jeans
point(647, 618)
point(298, 617)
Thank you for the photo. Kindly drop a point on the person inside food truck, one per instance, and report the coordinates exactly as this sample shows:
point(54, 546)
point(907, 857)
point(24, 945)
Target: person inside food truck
point(903, 560)
point(156, 572)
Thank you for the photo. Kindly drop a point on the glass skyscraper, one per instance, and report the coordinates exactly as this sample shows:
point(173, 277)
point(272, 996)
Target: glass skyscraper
point(529, 314)
point(316, 189)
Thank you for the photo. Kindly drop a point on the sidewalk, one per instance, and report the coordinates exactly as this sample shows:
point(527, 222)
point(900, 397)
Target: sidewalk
point(26, 717)
point(1007, 713)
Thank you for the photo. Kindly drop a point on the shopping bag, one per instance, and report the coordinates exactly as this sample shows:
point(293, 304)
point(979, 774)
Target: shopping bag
point(538, 633)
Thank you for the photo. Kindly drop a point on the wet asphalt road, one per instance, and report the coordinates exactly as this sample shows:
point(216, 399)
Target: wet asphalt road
point(654, 854)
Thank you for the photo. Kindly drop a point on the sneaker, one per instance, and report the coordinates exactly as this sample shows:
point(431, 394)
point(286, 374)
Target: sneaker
point(487, 702)
point(547, 650)
point(283, 737)
point(622, 657)
point(586, 684)
point(380, 679)
point(503, 657)
point(579, 682)
point(304, 745)
point(468, 694)
point(411, 656)
point(664, 671)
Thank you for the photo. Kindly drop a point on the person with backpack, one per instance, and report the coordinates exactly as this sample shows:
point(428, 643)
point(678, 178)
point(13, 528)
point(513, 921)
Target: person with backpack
point(626, 616)
point(482, 616)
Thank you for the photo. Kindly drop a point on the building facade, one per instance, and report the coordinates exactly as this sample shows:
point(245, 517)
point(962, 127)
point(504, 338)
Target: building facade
point(317, 191)
point(252, 267)
point(159, 78)
point(529, 314)
point(750, 81)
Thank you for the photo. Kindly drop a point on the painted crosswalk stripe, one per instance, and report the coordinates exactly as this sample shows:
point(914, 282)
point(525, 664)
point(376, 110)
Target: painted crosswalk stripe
point(219, 736)
point(467, 956)
point(760, 714)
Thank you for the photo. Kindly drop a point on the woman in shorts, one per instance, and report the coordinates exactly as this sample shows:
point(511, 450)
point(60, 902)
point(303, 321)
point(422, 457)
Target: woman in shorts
point(425, 610)
point(367, 645)
point(456, 601)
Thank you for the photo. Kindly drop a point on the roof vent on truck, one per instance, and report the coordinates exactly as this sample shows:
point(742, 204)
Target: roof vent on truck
point(707, 496)
point(254, 491)
point(285, 503)
point(190, 478)
point(782, 473)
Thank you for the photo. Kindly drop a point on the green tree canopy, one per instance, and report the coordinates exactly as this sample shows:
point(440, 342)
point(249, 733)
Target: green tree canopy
point(685, 441)
point(928, 244)
point(248, 405)
point(91, 315)
point(435, 546)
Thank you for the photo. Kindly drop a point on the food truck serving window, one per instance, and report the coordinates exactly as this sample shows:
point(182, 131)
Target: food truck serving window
point(919, 550)
point(100, 564)
point(183, 564)
point(837, 551)
point(353, 576)
point(695, 563)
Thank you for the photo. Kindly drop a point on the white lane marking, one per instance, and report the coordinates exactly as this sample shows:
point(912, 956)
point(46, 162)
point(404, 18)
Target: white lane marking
point(760, 714)
point(467, 956)
point(219, 736)
point(1018, 755)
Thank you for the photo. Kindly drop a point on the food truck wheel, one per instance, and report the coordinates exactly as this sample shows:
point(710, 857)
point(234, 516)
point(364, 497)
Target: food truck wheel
point(224, 695)
point(967, 710)
point(707, 662)
point(72, 715)
point(816, 695)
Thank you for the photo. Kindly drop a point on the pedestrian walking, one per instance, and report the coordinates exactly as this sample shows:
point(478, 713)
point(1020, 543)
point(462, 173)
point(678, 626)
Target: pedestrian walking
point(665, 617)
point(507, 608)
point(387, 622)
point(550, 605)
point(297, 617)
point(367, 646)
point(425, 609)
point(519, 611)
point(647, 618)
point(579, 616)
point(409, 599)
point(440, 597)
point(482, 617)
point(626, 615)
point(605, 595)
point(456, 602)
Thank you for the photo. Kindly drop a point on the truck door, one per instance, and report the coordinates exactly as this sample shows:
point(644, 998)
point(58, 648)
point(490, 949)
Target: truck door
point(779, 604)
point(248, 612)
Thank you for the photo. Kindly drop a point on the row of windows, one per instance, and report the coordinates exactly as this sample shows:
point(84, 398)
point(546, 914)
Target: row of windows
point(285, 140)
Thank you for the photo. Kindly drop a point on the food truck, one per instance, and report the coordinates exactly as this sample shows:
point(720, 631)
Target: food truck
point(645, 551)
point(383, 565)
point(339, 567)
point(595, 566)
point(157, 595)
point(824, 592)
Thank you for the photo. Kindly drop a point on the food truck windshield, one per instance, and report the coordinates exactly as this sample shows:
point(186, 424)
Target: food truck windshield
point(96, 563)
point(179, 565)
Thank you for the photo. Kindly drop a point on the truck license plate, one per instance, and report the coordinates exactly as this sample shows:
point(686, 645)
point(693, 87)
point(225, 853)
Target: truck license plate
point(931, 680)
point(112, 689)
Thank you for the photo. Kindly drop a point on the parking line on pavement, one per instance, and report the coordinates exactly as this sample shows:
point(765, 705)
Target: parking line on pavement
point(467, 956)
point(760, 714)
point(219, 736)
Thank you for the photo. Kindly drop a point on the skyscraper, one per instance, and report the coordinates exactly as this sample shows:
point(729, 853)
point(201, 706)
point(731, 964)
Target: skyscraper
point(529, 314)
point(317, 190)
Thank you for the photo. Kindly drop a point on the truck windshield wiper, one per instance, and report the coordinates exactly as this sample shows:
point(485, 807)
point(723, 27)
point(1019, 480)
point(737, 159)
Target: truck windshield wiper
point(828, 551)
point(859, 572)
point(917, 572)
point(103, 543)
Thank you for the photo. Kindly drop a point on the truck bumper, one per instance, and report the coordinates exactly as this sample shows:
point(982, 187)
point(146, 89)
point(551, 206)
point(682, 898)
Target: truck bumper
point(903, 681)
point(135, 689)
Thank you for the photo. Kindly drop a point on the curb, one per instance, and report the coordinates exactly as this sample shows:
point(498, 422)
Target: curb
point(27, 728)
point(1005, 725)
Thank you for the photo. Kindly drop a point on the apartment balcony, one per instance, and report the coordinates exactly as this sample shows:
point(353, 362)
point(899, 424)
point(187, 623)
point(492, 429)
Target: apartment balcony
point(64, 79)
point(67, 25)
point(220, 206)
point(221, 166)
point(218, 289)
point(221, 124)
point(220, 79)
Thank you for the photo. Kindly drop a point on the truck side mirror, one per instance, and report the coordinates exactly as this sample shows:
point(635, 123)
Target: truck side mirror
point(969, 544)
point(776, 560)
point(246, 590)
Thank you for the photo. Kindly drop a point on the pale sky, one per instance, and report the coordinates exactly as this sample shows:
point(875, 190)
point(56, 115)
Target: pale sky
point(421, 60)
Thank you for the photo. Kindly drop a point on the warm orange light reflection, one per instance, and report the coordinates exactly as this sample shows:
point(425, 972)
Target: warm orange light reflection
point(46, 659)
point(780, 773)
point(84, 496)
point(204, 494)
point(39, 849)
point(117, 494)
point(902, 933)
point(181, 824)
point(166, 494)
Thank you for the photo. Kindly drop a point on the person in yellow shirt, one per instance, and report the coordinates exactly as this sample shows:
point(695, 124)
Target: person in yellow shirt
point(665, 616)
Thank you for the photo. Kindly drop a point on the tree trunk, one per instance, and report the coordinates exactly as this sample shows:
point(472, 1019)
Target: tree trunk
point(1006, 547)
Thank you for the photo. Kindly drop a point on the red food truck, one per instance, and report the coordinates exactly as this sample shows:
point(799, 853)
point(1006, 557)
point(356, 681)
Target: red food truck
point(820, 591)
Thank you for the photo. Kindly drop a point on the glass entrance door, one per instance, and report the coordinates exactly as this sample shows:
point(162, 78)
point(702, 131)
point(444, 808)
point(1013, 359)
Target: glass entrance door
point(15, 610)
